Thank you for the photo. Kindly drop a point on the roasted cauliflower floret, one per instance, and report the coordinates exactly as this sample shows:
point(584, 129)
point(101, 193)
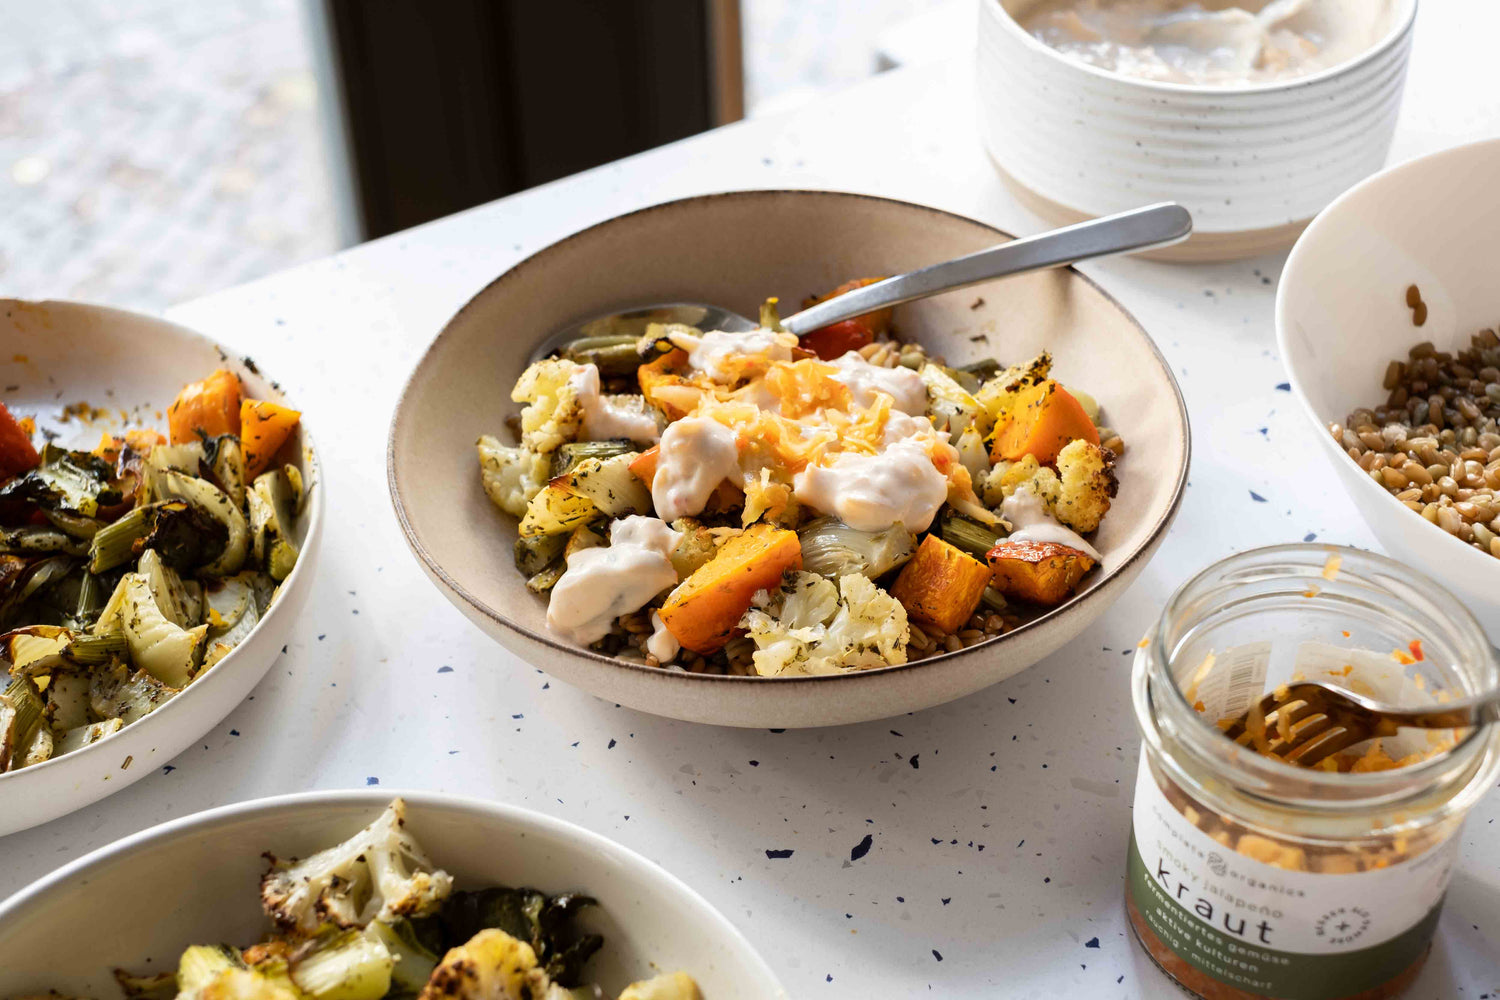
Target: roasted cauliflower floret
point(553, 415)
point(1003, 392)
point(811, 626)
point(511, 476)
point(491, 965)
point(1007, 477)
point(379, 872)
point(1088, 484)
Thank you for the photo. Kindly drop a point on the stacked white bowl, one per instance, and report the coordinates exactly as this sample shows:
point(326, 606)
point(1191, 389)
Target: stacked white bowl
point(1252, 163)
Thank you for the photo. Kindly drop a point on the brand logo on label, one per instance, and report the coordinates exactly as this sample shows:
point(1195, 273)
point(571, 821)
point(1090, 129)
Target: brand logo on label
point(1343, 924)
point(1216, 864)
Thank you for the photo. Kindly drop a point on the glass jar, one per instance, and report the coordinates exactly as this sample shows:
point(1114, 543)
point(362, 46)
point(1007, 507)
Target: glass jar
point(1249, 877)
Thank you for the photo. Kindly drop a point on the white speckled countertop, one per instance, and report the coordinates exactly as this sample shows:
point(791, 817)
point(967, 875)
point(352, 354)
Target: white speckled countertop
point(976, 849)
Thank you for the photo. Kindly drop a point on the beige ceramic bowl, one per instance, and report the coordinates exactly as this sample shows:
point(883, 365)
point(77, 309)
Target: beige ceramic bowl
point(138, 903)
point(54, 354)
point(736, 249)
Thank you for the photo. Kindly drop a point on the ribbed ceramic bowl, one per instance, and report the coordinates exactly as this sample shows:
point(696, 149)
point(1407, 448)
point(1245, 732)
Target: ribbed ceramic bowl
point(1341, 317)
point(1252, 164)
point(53, 354)
point(139, 902)
point(736, 249)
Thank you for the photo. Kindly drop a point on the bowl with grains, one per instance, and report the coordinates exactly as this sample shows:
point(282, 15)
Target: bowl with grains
point(1388, 318)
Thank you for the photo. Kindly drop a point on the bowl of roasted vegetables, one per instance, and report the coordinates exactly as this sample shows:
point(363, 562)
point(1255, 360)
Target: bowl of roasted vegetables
point(158, 502)
point(360, 896)
point(753, 528)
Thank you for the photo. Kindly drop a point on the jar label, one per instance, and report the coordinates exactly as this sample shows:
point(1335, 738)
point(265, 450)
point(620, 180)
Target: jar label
point(1299, 935)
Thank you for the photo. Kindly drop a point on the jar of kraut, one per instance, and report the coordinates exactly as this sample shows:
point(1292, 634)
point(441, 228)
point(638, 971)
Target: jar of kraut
point(1250, 877)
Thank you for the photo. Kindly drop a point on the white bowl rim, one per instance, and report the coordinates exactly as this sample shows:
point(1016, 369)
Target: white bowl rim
point(1459, 549)
point(517, 272)
point(376, 798)
point(183, 700)
point(1393, 38)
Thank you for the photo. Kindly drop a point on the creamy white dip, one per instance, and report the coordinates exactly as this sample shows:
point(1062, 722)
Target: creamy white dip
point(708, 353)
point(1226, 43)
point(603, 583)
point(898, 485)
point(603, 419)
point(1030, 522)
point(663, 644)
point(696, 455)
point(866, 380)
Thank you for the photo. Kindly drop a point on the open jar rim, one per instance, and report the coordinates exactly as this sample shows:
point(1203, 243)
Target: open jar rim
point(1193, 746)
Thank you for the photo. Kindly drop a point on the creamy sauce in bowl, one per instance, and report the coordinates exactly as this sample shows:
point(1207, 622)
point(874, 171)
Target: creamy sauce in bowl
point(1030, 522)
point(1221, 43)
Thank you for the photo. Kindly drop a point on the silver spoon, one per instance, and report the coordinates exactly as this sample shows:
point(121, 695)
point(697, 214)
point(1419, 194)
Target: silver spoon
point(1127, 232)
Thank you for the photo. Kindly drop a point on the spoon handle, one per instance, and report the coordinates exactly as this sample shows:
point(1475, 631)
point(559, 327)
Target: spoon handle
point(1139, 229)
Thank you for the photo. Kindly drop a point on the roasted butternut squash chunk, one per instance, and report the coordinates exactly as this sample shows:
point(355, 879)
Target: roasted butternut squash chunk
point(1039, 572)
point(1043, 420)
point(704, 611)
point(941, 585)
point(264, 428)
point(209, 408)
point(643, 466)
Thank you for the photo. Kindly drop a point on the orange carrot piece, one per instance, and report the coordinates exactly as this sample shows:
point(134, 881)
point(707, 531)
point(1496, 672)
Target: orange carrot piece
point(643, 466)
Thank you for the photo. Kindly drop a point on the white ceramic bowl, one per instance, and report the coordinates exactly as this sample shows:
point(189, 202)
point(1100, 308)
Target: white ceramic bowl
point(1341, 316)
point(1252, 164)
point(56, 353)
point(138, 902)
point(735, 249)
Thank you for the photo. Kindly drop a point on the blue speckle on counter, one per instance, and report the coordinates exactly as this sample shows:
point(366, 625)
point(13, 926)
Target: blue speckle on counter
point(234, 732)
point(862, 848)
point(1311, 536)
point(1283, 387)
point(1257, 497)
point(755, 763)
point(1091, 943)
point(167, 769)
point(445, 670)
point(518, 715)
point(611, 745)
point(894, 733)
point(372, 781)
point(777, 855)
point(913, 761)
point(947, 900)
point(937, 954)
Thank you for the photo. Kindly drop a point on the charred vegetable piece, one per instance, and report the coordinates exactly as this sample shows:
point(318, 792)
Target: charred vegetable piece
point(210, 501)
point(836, 339)
point(206, 409)
point(32, 540)
point(541, 921)
point(1044, 419)
point(264, 428)
point(21, 713)
point(75, 482)
point(966, 533)
point(704, 611)
point(16, 453)
point(227, 460)
point(546, 578)
point(181, 534)
point(567, 456)
point(114, 544)
point(271, 513)
point(537, 552)
point(1039, 572)
point(659, 377)
point(941, 586)
point(614, 355)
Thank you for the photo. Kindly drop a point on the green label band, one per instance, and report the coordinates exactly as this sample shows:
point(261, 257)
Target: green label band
point(1239, 960)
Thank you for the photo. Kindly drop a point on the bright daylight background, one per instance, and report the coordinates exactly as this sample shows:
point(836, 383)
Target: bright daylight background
point(155, 150)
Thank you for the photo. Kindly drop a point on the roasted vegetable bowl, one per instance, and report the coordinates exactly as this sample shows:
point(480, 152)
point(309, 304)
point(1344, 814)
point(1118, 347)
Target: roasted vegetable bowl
point(363, 894)
point(155, 524)
point(735, 249)
point(761, 504)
